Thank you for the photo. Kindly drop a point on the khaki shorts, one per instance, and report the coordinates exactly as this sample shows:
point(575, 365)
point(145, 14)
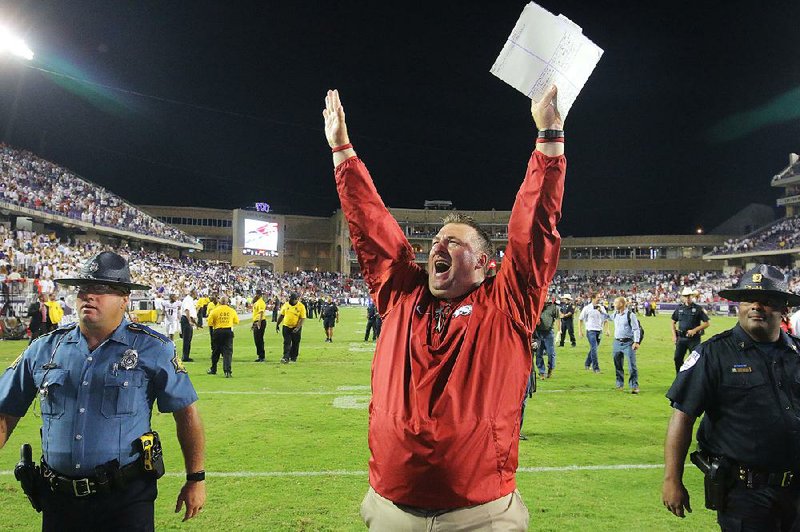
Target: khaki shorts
point(504, 514)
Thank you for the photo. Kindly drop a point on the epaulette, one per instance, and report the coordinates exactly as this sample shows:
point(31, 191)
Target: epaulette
point(723, 334)
point(61, 330)
point(144, 329)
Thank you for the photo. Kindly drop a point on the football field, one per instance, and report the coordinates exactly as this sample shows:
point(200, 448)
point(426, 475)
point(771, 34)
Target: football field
point(287, 444)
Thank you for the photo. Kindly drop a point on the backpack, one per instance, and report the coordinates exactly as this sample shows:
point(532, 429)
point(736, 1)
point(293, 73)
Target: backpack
point(641, 329)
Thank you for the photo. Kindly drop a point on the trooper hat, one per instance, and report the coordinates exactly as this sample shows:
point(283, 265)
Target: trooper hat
point(688, 291)
point(105, 268)
point(762, 280)
point(566, 296)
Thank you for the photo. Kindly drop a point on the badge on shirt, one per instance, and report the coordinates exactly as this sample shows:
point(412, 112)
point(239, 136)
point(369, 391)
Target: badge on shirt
point(691, 361)
point(178, 363)
point(741, 368)
point(466, 310)
point(130, 359)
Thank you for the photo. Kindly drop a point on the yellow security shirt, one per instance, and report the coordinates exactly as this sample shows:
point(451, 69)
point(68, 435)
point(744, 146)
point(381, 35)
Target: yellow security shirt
point(54, 311)
point(292, 313)
point(202, 302)
point(223, 317)
point(210, 306)
point(258, 310)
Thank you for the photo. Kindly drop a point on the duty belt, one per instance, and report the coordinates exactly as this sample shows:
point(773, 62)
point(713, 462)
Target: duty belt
point(81, 487)
point(758, 479)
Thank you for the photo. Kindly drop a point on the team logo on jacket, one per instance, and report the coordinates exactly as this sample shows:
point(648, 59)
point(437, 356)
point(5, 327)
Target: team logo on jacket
point(466, 310)
point(130, 359)
point(691, 361)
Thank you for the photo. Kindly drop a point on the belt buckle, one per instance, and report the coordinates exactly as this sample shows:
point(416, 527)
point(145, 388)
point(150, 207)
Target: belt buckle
point(787, 479)
point(81, 487)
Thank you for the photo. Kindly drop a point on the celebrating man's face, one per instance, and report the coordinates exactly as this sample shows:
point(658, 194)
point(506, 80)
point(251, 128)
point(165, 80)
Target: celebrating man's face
point(455, 262)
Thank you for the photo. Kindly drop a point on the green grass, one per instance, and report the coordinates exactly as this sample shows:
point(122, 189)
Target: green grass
point(288, 423)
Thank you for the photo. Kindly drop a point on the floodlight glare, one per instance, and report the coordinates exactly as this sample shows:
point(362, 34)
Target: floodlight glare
point(14, 45)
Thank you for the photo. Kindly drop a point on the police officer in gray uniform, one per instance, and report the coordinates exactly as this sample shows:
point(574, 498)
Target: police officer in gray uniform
point(747, 383)
point(96, 383)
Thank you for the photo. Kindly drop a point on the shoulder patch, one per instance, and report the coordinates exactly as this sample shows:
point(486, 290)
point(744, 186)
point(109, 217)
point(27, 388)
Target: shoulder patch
point(177, 363)
point(139, 328)
point(691, 361)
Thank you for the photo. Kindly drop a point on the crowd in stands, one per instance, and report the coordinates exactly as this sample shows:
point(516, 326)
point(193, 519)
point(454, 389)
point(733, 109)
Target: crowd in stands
point(29, 181)
point(783, 234)
point(41, 258)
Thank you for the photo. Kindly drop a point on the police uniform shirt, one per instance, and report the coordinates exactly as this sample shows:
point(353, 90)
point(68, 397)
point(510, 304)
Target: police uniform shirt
point(292, 313)
point(95, 404)
point(567, 308)
point(329, 311)
point(750, 395)
point(688, 317)
point(223, 317)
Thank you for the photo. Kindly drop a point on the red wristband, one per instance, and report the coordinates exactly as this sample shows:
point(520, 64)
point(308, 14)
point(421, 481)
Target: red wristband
point(544, 140)
point(343, 147)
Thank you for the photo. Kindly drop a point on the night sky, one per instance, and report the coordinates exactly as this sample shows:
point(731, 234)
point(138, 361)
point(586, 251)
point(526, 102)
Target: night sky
point(691, 110)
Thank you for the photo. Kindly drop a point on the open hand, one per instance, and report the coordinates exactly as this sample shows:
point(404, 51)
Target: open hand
point(335, 126)
point(545, 113)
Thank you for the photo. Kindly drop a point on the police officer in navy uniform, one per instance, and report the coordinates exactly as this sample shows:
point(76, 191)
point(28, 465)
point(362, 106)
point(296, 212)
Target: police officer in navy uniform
point(567, 314)
point(96, 383)
point(688, 322)
point(747, 383)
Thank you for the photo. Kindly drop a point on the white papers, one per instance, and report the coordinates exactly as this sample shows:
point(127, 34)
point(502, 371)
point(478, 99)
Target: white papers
point(544, 49)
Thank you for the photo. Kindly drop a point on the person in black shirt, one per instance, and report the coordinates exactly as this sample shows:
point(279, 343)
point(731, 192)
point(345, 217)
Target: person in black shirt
point(330, 317)
point(747, 383)
point(688, 322)
point(566, 314)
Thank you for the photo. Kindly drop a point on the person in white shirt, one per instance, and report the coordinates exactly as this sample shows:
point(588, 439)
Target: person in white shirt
point(188, 323)
point(172, 309)
point(593, 321)
point(794, 321)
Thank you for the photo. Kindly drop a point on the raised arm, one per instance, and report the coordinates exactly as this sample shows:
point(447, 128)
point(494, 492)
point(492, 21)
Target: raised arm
point(531, 257)
point(379, 242)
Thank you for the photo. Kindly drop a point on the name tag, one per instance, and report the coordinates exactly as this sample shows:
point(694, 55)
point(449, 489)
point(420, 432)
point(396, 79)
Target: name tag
point(741, 368)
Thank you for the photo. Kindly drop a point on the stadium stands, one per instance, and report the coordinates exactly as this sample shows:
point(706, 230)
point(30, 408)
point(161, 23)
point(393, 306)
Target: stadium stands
point(782, 235)
point(29, 181)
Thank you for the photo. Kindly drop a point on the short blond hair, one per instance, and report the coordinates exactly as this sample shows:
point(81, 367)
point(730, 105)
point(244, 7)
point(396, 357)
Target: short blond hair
point(622, 300)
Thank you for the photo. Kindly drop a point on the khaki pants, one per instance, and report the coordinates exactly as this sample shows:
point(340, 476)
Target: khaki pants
point(503, 514)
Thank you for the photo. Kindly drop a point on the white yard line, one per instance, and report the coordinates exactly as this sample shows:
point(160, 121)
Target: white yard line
point(358, 473)
point(365, 388)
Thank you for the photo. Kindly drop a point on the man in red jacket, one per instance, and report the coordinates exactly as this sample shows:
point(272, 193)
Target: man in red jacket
point(453, 358)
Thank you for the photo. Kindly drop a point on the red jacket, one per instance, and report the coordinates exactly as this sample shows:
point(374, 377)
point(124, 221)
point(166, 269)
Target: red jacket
point(445, 409)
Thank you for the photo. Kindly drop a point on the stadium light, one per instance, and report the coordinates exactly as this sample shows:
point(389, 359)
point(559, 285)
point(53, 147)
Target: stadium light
point(14, 45)
point(699, 230)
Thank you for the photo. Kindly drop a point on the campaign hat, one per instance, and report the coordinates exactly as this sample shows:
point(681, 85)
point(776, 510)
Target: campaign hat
point(688, 291)
point(106, 268)
point(763, 280)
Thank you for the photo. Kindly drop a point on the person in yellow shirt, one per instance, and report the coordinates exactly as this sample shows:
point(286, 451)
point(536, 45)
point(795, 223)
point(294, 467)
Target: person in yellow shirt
point(210, 303)
point(259, 324)
point(292, 315)
point(222, 318)
point(55, 312)
point(201, 305)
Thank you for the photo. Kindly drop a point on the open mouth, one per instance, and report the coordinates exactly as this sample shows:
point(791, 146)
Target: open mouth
point(441, 266)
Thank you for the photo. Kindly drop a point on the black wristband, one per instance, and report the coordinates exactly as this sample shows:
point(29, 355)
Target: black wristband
point(199, 476)
point(551, 134)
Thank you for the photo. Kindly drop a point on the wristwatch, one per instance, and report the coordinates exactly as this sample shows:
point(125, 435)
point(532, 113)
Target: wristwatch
point(551, 134)
point(199, 476)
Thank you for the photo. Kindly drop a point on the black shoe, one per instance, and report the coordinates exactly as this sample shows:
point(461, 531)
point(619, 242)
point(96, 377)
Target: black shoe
point(188, 360)
point(284, 361)
point(523, 437)
point(211, 372)
point(259, 360)
point(228, 375)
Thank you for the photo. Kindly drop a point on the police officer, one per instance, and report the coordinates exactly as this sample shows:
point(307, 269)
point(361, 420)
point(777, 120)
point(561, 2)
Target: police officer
point(96, 383)
point(566, 314)
point(372, 321)
point(222, 319)
point(329, 314)
point(747, 382)
point(688, 322)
